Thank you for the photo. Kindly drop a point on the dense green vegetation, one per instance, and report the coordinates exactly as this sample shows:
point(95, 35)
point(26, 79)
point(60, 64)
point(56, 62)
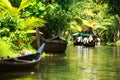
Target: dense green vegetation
point(57, 17)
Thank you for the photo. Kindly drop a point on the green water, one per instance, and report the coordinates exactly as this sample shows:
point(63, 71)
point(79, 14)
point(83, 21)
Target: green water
point(78, 63)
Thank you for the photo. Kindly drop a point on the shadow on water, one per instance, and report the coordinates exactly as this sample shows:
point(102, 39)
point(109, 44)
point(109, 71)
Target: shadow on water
point(25, 74)
point(54, 61)
point(17, 75)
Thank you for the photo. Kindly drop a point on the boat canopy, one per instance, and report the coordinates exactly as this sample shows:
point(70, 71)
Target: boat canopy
point(82, 34)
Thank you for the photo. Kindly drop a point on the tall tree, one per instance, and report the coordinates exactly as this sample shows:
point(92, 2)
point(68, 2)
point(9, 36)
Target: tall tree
point(114, 9)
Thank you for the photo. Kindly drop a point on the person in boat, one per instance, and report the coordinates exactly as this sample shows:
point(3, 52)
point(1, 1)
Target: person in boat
point(90, 38)
point(85, 40)
point(79, 39)
point(97, 39)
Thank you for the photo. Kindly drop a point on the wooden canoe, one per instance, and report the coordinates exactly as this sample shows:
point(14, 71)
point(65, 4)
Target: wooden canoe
point(54, 45)
point(90, 44)
point(78, 39)
point(29, 61)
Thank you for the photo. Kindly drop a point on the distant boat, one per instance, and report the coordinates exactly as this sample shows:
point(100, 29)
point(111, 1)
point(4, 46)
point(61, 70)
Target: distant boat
point(79, 39)
point(54, 45)
point(24, 62)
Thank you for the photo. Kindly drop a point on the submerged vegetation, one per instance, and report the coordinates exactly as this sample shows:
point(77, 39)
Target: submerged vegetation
point(56, 17)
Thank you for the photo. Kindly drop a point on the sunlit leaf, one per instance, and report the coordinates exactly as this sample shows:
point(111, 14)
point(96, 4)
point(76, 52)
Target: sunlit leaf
point(6, 6)
point(5, 49)
point(75, 27)
point(26, 3)
point(31, 23)
point(33, 31)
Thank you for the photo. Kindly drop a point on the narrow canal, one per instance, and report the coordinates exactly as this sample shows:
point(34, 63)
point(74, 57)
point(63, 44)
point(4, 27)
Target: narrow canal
point(78, 63)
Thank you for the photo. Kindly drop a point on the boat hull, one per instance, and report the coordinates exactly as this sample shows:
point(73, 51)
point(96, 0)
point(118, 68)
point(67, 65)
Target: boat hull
point(55, 45)
point(21, 63)
point(90, 44)
point(55, 48)
point(19, 67)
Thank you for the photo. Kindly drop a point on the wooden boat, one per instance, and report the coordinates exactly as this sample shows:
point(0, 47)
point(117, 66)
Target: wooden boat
point(75, 39)
point(29, 61)
point(90, 44)
point(54, 45)
point(77, 43)
point(82, 42)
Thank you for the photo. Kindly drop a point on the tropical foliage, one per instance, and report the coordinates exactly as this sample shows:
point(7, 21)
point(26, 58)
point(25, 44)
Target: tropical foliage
point(14, 27)
point(60, 17)
point(6, 49)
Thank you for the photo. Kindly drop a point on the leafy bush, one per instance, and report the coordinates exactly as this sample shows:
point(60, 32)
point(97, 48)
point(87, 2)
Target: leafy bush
point(19, 40)
point(5, 49)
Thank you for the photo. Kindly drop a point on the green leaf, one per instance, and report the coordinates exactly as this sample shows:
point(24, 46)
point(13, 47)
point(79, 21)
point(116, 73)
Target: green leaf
point(6, 6)
point(31, 22)
point(26, 3)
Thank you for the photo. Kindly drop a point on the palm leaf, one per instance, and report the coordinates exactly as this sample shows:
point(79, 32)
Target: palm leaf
point(26, 3)
point(32, 22)
point(5, 5)
point(33, 31)
point(5, 49)
point(100, 27)
point(75, 26)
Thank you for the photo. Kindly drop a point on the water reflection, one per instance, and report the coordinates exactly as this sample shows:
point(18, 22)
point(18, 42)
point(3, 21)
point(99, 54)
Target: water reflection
point(56, 67)
point(20, 76)
point(97, 63)
point(78, 63)
point(83, 63)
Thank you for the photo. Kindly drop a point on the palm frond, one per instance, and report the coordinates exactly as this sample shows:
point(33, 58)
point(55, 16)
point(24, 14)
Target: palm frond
point(101, 27)
point(26, 3)
point(32, 22)
point(75, 27)
point(6, 6)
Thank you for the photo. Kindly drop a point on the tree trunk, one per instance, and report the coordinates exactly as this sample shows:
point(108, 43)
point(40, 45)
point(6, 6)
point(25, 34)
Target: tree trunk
point(59, 33)
point(115, 35)
point(118, 22)
point(37, 38)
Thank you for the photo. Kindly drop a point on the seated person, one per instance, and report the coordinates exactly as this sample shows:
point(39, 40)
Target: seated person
point(90, 38)
point(86, 40)
point(79, 39)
